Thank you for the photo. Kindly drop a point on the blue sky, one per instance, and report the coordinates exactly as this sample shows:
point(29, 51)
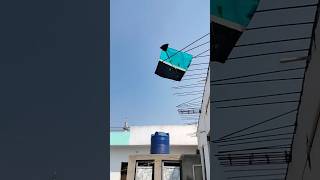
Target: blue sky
point(138, 28)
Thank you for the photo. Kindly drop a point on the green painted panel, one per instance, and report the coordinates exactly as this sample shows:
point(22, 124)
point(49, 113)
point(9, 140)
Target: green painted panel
point(119, 138)
point(237, 12)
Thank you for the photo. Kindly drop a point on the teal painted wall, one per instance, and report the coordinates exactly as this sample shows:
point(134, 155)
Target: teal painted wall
point(119, 138)
point(236, 11)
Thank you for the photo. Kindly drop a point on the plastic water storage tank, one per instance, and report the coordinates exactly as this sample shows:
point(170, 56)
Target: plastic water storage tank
point(160, 143)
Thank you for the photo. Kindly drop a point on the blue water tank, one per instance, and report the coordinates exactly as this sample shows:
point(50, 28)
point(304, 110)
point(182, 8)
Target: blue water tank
point(160, 143)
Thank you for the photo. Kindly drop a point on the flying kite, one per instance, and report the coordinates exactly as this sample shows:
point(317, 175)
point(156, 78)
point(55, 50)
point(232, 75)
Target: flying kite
point(172, 63)
point(229, 19)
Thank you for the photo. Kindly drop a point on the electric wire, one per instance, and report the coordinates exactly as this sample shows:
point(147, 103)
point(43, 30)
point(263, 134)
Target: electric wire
point(195, 74)
point(198, 55)
point(258, 81)
point(188, 45)
point(199, 64)
point(274, 41)
point(285, 146)
point(255, 97)
point(262, 131)
point(190, 100)
point(279, 25)
point(192, 78)
point(257, 104)
point(256, 137)
point(197, 46)
point(245, 170)
point(253, 176)
point(187, 92)
point(266, 54)
point(286, 8)
point(258, 74)
point(250, 142)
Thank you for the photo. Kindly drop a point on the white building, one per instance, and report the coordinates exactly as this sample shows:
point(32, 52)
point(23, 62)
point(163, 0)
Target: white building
point(203, 130)
point(137, 140)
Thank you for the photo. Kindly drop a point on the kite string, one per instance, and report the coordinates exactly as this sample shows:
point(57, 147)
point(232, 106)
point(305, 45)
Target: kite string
point(197, 46)
point(199, 55)
point(188, 45)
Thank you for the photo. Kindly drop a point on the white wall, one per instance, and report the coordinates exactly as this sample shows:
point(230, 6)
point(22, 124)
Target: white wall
point(120, 154)
point(115, 175)
point(204, 129)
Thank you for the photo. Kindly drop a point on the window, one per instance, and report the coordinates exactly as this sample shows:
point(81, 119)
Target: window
point(124, 166)
point(171, 170)
point(144, 170)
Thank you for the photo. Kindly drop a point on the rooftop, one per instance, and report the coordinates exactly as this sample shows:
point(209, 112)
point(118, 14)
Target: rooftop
point(141, 135)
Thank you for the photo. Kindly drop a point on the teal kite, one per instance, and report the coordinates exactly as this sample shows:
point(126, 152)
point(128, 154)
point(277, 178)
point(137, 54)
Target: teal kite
point(172, 63)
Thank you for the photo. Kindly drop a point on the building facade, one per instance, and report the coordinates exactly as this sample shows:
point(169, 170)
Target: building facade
point(203, 131)
point(137, 141)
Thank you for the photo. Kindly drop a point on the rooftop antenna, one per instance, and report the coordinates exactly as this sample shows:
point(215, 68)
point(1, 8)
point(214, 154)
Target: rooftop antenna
point(126, 126)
